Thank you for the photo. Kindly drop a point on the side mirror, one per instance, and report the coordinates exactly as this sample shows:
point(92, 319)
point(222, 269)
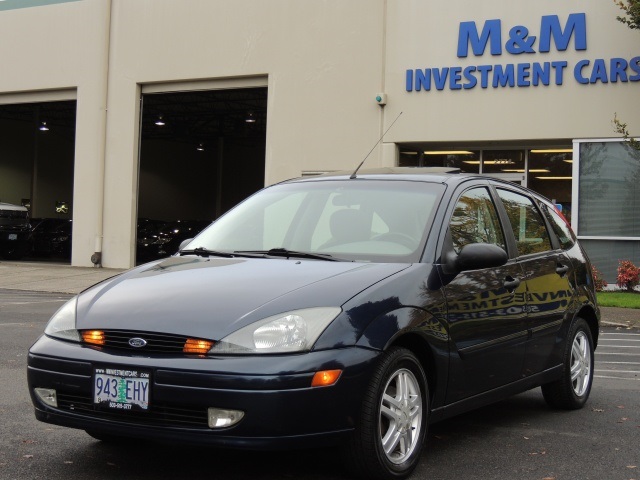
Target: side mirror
point(480, 255)
point(184, 243)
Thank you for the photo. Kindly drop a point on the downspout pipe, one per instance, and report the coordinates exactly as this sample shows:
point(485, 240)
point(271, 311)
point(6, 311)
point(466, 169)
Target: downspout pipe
point(96, 258)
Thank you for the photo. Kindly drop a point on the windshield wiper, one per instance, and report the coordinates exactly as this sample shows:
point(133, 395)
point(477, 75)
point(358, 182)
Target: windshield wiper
point(283, 252)
point(204, 252)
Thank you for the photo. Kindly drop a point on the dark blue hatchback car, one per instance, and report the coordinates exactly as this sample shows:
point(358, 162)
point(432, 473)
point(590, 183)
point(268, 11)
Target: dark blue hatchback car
point(331, 310)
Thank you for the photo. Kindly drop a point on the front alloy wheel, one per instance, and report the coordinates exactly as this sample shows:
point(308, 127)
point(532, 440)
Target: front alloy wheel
point(400, 416)
point(390, 434)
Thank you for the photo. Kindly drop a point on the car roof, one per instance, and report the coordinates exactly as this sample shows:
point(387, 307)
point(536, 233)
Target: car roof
point(445, 175)
point(419, 174)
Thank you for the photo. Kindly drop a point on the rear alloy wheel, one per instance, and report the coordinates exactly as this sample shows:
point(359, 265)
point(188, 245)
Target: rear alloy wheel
point(572, 390)
point(393, 425)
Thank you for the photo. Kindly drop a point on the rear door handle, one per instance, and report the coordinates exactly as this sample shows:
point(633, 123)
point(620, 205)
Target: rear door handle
point(511, 283)
point(562, 269)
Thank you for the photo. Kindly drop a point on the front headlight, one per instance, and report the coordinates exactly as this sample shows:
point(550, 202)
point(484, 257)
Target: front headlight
point(63, 323)
point(294, 331)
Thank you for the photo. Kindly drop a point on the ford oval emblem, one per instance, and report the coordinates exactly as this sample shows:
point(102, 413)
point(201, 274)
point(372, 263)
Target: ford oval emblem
point(137, 342)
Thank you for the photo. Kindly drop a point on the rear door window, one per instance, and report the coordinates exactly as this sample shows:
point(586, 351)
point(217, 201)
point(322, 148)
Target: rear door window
point(528, 226)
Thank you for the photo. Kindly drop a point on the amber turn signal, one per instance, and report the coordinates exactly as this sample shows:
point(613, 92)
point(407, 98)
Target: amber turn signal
point(195, 345)
point(93, 337)
point(325, 378)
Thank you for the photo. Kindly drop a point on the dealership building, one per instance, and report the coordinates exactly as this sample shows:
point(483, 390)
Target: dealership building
point(116, 112)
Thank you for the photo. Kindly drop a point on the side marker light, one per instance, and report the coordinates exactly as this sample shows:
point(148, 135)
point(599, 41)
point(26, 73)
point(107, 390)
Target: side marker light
point(325, 378)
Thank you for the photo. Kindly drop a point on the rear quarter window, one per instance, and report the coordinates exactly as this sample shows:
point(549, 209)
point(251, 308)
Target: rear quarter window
point(559, 226)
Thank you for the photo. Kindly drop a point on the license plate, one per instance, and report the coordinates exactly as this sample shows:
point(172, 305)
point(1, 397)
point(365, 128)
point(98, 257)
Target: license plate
point(121, 389)
point(13, 236)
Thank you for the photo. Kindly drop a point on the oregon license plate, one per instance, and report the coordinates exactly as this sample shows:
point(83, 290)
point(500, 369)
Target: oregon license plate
point(121, 389)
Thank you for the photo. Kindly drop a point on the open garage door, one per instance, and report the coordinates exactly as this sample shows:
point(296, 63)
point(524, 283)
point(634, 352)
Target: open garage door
point(36, 171)
point(201, 152)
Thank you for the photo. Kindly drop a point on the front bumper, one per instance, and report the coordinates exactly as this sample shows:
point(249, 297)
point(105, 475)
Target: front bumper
point(281, 408)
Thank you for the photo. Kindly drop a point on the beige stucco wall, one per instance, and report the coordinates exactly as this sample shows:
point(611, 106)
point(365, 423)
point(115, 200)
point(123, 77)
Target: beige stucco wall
point(58, 52)
point(323, 62)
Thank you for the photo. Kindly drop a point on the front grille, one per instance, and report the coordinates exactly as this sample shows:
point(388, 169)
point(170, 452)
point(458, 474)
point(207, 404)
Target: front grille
point(155, 342)
point(158, 414)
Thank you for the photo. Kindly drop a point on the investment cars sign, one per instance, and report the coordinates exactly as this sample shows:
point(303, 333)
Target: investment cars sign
point(520, 40)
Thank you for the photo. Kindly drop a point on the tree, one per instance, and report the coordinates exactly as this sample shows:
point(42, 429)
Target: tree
point(632, 19)
point(621, 128)
point(632, 9)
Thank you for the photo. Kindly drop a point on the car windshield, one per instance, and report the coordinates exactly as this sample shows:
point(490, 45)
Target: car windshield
point(357, 220)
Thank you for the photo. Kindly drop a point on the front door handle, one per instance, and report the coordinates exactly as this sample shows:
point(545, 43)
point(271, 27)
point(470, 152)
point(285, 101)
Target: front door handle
point(562, 269)
point(511, 283)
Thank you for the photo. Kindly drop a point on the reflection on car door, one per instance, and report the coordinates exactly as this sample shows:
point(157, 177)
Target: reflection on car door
point(486, 307)
point(547, 272)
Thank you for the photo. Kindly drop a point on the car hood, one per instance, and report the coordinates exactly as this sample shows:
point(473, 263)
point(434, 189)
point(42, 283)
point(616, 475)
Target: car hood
point(212, 297)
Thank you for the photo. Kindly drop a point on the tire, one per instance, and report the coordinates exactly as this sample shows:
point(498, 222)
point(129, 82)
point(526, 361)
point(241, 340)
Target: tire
point(389, 437)
point(572, 390)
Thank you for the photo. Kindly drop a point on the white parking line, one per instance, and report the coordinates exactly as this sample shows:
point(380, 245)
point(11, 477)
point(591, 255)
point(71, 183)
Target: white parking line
point(4, 304)
point(619, 346)
point(617, 378)
point(18, 324)
point(603, 334)
point(618, 371)
point(618, 363)
point(622, 340)
point(621, 354)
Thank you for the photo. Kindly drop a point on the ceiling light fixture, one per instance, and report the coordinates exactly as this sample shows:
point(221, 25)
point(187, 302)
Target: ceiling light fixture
point(251, 118)
point(43, 127)
point(200, 147)
point(554, 178)
point(490, 162)
point(531, 170)
point(448, 152)
point(160, 121)
point(553, 150)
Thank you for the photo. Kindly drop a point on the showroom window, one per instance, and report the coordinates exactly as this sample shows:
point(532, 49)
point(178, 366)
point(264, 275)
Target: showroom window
point(608, 199)
point(544, 169)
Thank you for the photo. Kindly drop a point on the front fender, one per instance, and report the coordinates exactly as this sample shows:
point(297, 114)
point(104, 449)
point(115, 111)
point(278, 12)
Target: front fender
point(422, 332)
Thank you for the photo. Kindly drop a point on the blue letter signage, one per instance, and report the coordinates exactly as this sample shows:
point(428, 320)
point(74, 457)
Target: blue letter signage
point(552, 36)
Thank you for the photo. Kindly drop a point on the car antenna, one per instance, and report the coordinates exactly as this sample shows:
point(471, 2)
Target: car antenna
point(353, 175)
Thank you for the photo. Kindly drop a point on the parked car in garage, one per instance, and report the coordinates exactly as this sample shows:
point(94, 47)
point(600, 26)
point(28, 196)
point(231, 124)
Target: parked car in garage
point(15, 231)
point(158, 239)
point(52, 237)
point(349, 310)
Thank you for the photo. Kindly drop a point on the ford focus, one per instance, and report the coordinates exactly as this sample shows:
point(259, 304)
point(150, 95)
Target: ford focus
point(346, 310)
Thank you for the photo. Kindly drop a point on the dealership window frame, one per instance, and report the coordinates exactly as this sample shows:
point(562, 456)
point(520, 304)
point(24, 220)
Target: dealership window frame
point(523, 169)
point(603, 250)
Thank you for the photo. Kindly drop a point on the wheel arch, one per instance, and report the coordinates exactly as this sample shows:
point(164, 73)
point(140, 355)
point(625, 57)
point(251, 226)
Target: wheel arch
point(589, 314)
point(420, 347)
point(421, 332)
